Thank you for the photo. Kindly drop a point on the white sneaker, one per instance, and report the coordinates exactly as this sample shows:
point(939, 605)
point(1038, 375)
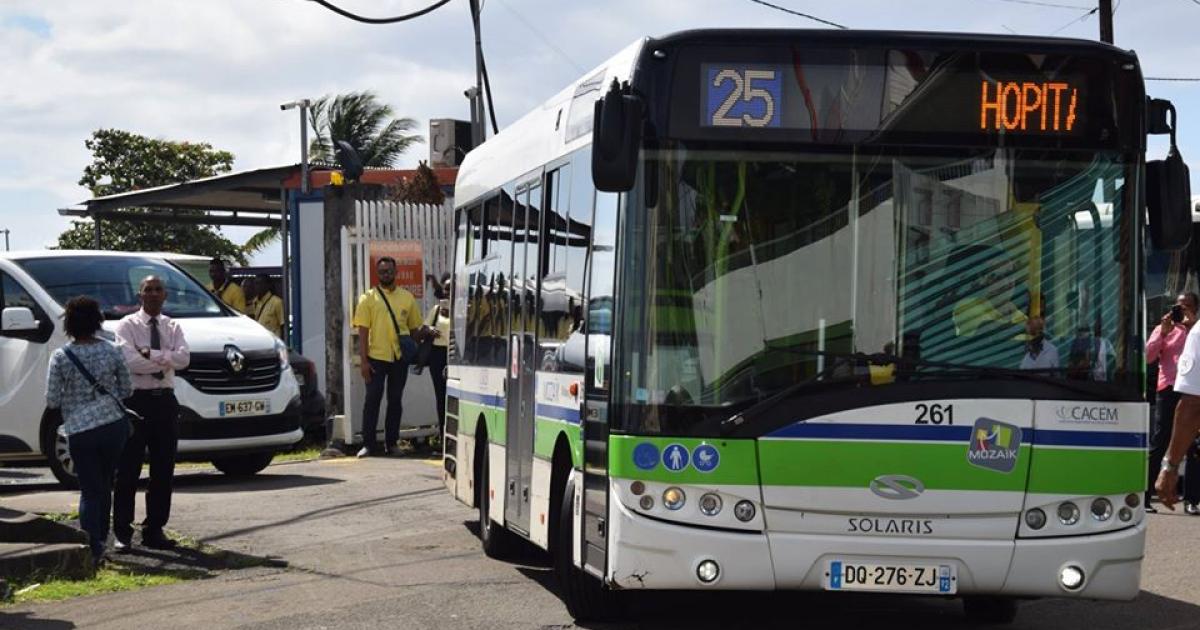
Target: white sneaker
point(363, 452)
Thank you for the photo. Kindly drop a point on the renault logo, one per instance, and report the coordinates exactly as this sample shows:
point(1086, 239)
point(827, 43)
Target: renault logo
point(897, 487)
point(237, 360)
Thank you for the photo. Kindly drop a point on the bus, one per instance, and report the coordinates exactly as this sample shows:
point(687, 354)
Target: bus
point(816, 310)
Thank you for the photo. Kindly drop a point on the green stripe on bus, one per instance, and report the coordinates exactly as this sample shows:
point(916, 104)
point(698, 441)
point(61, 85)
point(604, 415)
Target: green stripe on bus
point(469, 414)
point(848, 464)
point(1087, 471)
point(546, 434)
point(738, 464)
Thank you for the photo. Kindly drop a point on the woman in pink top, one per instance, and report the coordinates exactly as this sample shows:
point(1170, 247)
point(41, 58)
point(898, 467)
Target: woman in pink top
point(1164, 346)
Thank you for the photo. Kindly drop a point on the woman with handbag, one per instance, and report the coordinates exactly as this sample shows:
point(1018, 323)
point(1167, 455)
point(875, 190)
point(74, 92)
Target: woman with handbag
point(87, 381)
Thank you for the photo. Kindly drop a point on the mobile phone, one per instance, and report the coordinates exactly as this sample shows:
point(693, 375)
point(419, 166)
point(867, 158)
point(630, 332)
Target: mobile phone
point(1177, 313)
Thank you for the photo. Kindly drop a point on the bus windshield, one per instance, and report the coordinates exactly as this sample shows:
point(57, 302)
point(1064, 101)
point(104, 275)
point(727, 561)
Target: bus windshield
point(758, 270)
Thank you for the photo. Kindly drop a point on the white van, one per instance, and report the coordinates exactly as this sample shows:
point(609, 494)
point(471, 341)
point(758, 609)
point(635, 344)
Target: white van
point(239, 403)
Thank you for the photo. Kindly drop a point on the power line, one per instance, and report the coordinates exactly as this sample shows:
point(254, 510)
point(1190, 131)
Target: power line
point(545, 40)
point(1197, 79)
point(388, 20)
point(1048, 4)
point(1075, 21)
point(797, 13)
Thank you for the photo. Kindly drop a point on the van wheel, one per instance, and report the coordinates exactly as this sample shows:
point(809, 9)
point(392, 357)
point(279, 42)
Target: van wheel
point(243, 465)
point(496, 540)
point(57, 454)
point(990, 610)
point(585, 597)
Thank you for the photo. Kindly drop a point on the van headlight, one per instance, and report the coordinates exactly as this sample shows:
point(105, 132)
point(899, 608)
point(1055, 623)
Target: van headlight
point(282, 349)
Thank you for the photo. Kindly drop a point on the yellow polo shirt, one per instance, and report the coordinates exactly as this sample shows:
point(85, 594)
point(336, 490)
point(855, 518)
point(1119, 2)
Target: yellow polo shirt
point(231, 294)
point(372, 314)
point(269, 313)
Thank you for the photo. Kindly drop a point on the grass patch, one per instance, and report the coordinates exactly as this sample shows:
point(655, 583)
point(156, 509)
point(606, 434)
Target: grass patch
point(305, 453)
point(108, 580)
point(61, 517)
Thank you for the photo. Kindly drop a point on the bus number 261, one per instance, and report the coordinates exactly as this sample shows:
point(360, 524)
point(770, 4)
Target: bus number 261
point(935, 414)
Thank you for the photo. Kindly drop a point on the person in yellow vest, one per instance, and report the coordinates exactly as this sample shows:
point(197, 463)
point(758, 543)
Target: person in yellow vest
point(225, 289)
point(387, 318)
point(267, 308)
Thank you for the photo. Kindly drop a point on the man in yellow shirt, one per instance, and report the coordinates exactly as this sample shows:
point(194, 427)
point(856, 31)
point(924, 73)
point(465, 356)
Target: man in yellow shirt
point(267, 308)
point(225, 289)
point(387, 318)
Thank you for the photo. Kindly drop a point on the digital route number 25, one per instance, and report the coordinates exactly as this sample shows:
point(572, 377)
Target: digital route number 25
point(744, 91)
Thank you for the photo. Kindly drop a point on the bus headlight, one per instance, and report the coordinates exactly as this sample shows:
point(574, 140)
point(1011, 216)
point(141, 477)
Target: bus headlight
point(708, 571)
point(710, 504)
point(744, 511)
point(1071, 577)
point(673, 498)
point(1068, 513)
point(1035, 518)
point(1102, 509)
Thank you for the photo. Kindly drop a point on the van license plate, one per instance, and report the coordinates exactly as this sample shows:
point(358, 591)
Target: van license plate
point(234, 408)
point(841, 575)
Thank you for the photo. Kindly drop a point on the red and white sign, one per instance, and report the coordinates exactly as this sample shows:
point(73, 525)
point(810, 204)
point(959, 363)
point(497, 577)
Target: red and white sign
point(410, 266)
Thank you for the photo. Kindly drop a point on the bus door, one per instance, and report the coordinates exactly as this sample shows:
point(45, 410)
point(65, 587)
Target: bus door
point(522, 346)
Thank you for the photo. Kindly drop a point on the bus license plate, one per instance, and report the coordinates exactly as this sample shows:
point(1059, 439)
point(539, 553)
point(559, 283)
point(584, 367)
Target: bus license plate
point(899, 578)
point(234, 408)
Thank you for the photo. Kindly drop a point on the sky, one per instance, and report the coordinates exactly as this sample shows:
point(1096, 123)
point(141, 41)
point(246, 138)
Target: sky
point(216, 71)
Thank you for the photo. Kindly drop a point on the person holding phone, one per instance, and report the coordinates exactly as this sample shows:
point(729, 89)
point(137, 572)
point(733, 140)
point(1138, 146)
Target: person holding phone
point(1165, 346)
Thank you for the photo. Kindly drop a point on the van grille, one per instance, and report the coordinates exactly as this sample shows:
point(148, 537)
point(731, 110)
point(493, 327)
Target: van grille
point(211, 373)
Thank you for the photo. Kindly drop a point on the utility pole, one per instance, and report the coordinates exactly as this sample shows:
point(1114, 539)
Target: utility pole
point(479, 129)
point(6, 231)
point(303, 104)
point(1106, 21)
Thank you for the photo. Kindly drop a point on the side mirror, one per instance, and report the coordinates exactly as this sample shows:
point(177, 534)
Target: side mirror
point(616, 139)
point(17, 319)
point(1168, 187)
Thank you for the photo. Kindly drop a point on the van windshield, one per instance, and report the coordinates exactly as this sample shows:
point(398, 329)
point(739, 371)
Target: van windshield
point(113, 282)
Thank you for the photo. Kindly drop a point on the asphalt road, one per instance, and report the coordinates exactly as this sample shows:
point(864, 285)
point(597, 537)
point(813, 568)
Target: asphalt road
point(380, 543)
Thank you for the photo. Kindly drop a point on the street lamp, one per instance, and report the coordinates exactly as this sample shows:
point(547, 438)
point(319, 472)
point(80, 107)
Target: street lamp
point(303, 104)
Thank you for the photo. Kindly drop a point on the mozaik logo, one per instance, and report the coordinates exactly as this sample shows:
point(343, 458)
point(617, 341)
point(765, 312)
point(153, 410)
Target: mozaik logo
point(994, 445)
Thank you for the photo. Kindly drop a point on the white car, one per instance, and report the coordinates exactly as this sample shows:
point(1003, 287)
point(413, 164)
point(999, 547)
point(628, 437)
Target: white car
point(239, 403)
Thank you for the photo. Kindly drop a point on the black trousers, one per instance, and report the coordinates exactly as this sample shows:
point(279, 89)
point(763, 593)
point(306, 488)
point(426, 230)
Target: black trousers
point(392, 375)
point(437, 373)
point(157, 432)
point(1160, 437)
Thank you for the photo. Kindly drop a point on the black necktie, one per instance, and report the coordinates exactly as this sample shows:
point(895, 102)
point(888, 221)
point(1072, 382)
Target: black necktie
point(155, 343)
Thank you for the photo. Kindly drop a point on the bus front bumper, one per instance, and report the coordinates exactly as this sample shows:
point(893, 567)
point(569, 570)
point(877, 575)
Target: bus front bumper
point(653, 554)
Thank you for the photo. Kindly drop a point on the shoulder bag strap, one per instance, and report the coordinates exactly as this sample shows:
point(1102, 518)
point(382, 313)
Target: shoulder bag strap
point(395, 326)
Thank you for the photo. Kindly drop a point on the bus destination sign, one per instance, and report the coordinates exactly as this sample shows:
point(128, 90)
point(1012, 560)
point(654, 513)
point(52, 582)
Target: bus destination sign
point(832, 102)
point(1025, 106)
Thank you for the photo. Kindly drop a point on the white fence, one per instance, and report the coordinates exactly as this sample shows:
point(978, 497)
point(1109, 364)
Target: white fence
point(433, 226)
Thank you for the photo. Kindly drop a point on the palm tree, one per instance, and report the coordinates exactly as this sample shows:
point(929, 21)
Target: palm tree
point(360, 119)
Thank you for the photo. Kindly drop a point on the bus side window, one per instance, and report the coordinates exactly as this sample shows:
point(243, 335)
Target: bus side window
point(553, 320)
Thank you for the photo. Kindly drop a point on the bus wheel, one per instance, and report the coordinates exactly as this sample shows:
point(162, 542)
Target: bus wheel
point(990, 609)
point(585, 597)
point(496, 540)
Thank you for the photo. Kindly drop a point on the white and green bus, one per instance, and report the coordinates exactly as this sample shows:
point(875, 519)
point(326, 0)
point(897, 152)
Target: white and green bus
point(805, 310)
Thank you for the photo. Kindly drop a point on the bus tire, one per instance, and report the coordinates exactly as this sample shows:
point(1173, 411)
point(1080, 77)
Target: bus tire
point(496, 540)
point(990, 610)
point(585, 597)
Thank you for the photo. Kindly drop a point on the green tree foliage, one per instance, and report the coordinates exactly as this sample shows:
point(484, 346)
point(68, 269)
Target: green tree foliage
point(124, 162)
point(360, 119)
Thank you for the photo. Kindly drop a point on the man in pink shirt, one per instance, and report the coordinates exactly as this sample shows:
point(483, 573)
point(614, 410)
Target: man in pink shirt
point(1164, 346)
point(153, 347)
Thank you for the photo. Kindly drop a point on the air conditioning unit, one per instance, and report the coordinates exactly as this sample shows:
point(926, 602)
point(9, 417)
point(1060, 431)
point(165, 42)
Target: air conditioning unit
point(449, 141)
